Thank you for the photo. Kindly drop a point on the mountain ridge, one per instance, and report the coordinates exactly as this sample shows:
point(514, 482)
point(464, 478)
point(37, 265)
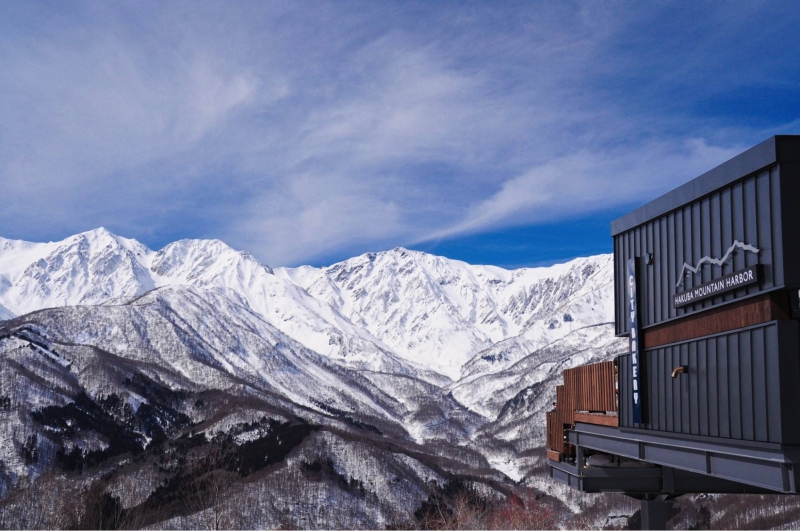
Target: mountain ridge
point(429, 310)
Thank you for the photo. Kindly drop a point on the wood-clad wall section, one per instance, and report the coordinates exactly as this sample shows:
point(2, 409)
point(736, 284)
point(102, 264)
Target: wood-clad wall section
point(749, 312)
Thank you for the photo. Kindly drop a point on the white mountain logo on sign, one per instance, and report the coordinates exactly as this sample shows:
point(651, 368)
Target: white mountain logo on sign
point(708, 260)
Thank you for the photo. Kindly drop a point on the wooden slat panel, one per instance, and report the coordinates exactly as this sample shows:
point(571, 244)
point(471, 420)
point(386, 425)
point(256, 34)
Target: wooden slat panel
point(742, 314)
point(588, 388)
point(555, 432)
point(591, 387)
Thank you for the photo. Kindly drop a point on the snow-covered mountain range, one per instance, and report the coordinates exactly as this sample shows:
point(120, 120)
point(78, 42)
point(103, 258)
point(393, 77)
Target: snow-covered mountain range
point(428, 310)
point(396, 346)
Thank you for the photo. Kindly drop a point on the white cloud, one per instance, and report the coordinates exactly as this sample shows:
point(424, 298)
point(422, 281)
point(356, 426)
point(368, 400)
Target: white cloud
point(297, 132)
point(589, 181)
point(309, 217)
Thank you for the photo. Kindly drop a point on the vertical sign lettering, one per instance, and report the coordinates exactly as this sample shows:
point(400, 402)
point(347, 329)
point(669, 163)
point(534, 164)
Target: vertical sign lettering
point(635, 343)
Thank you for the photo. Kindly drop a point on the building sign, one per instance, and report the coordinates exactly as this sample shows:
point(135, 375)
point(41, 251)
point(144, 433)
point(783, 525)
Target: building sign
point(735, 280)
point(634, 343)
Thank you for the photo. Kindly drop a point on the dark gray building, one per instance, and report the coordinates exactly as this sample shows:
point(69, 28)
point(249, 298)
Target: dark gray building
point(706, 288)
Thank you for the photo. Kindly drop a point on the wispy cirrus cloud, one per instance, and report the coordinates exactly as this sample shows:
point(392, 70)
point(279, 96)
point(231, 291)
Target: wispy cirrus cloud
point(306, 131)
point(588, 181)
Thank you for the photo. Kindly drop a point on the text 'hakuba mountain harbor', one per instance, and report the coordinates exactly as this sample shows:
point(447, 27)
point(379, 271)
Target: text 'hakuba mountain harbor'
point(196, 387)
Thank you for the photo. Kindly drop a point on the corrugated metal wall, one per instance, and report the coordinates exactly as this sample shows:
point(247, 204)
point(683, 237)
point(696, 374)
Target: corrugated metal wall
point(748, 210)
point(740, 385)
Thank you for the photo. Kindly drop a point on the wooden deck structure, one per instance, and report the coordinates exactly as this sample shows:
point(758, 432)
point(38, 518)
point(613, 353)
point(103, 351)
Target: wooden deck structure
point(589, 395)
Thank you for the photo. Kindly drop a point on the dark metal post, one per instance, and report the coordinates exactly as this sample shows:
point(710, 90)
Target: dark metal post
point(654, 513)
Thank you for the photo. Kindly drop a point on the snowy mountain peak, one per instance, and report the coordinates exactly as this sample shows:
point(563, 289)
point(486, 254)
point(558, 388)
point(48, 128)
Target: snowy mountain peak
point(187, 260)
point(99, 232)
point(88, 268)
point(101, 237)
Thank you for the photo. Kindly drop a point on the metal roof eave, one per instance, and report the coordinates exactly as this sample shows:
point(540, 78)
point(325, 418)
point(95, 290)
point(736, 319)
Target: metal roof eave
point(754, 159)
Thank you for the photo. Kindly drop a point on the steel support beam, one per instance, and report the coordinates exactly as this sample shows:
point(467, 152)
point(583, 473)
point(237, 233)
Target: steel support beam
point(764, 466)
point(644, 481)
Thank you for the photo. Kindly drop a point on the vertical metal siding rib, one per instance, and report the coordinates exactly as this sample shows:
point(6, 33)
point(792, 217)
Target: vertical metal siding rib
point(763, 228)
point(750, 225)
point(662, 391)
point(619, 281)
point(652, 389)
point(618, 259)
point(669, 388)
point(777, 227)
point(683, 385)
point(657, 281)
point(773, 389)
point(676, 253)
point(727, 231)
point(702, 387)
point(639, 236)
point(688, 257)
point(713, 388)
point(746, 371)
point(737, 210)
point(622, 404)
point(663, 259)
point(652, 300)
point(683, 251)
point(723, 379)
point(694, 391)
point(695, 238)
point(704, 241)
point(735, 386)
point(716, 225)
point(760, 418)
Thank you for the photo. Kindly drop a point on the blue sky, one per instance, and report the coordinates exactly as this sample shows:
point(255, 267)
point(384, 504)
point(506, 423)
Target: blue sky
point(508, 133)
